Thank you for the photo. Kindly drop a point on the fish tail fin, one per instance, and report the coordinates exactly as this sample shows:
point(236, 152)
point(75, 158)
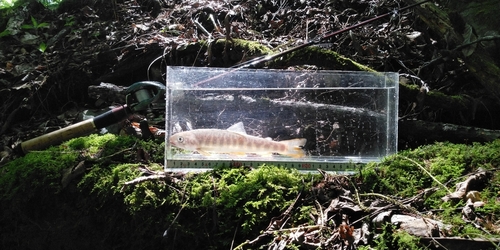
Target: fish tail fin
point(294, 147)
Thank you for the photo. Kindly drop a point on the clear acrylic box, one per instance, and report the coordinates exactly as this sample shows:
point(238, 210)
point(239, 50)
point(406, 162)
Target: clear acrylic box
point(346, 117)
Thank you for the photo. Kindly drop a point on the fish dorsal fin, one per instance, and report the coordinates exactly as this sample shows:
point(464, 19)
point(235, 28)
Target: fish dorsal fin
point(237, 128)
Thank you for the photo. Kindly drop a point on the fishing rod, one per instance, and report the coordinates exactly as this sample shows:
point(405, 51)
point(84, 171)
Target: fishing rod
point(261, 59)
point(258, 60)
point(139, 96)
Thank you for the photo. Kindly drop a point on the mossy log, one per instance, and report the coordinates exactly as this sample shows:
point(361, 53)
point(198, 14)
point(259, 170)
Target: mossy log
point(323, 58)
point(414, 133)
point(218, 209)
point(150, 61)
point(456, 109)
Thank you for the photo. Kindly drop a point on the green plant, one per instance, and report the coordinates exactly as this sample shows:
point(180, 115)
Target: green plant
point(42, 47)
point(35, 25)
point(4, 4)
point(4, 33)
point(69, 21)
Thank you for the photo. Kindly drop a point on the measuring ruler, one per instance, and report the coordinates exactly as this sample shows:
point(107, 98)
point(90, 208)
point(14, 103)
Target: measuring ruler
point(306, 166)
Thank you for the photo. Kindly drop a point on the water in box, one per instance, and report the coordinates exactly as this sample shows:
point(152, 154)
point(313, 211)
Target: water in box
point(345, 116)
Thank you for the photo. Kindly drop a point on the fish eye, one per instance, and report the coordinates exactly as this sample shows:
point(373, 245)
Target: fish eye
point(180, 139)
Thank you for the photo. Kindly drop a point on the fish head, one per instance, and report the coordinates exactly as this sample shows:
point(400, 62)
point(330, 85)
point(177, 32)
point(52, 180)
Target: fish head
point(185, 140)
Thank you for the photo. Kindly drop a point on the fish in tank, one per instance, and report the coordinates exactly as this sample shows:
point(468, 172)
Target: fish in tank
point(331, 116)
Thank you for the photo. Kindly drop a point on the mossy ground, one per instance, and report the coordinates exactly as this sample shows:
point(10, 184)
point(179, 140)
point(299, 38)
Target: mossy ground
point(210, 210)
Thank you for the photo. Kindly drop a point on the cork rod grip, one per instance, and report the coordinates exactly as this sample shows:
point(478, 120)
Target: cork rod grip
point(42, 142)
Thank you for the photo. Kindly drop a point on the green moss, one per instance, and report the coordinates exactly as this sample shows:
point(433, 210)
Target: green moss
point(39, 173)
point(449, 164)
point(412, 87)
point(264, 192)
point(214, 208)
point(458, 101)
point(324, 58)
point(247, 198)
point(89, 145)
point(445, 161)
point(404, 240)
point(229, 52)
point(24, 177)
point(391, 238)
point(250, 47)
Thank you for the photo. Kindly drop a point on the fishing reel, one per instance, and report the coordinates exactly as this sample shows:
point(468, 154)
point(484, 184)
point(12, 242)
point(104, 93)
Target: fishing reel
point(141, 95)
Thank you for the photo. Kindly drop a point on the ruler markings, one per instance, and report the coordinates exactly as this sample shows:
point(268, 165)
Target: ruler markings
point(173, 165)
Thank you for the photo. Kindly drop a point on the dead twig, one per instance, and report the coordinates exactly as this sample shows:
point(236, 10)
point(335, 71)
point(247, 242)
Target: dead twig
point(154, 176)
point(426, 171)
point(178, 213)
point(279, 221)
point(395, 202)
point(276, 222)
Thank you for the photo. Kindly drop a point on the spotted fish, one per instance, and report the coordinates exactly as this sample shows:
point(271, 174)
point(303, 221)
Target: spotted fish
point(235, 141)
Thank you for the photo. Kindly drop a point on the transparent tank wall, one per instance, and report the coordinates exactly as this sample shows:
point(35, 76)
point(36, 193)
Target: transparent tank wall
point(345, 116)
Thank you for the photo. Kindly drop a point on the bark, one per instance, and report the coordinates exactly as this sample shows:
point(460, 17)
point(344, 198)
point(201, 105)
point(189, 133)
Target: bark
point(413, 132)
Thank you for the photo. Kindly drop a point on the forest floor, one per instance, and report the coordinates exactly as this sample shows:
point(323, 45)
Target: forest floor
point(51, 58)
